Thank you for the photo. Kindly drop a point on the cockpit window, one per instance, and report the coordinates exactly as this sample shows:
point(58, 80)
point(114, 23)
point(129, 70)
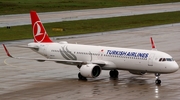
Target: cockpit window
point(160, 59)
point(165, 59)
point(169, 59)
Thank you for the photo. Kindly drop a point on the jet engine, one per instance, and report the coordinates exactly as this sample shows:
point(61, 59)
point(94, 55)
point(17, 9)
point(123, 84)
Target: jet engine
point(90, 70)
point(137, 72)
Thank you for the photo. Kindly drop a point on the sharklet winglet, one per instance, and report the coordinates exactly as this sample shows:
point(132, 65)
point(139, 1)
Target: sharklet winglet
point(7, 52)
point(152, 44)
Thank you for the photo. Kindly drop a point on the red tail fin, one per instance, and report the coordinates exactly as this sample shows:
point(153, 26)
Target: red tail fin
point(39, 31)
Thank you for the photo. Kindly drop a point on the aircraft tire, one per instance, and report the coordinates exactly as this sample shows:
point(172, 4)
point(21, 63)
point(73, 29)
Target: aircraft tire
point(114, 74)
point(158, 82)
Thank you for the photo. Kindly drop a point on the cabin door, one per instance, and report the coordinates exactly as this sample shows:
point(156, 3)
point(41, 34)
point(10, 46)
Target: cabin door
point(44, 50)
point(101, 54)
point(150, 59)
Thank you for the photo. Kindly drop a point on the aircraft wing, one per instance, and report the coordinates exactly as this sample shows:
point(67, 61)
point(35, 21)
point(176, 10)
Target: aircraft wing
point(71, 62)
point(21, 46)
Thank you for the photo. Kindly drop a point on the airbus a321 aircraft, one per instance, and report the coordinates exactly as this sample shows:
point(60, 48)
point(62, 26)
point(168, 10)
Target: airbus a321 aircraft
point(92, 59)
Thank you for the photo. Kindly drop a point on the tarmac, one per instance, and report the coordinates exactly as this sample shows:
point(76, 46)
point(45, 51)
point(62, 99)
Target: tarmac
point(24, 19)
point(32, 80)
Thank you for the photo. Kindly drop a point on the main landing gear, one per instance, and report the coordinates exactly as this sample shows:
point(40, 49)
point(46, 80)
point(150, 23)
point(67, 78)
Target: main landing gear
point(114, 73)
point(157, 81)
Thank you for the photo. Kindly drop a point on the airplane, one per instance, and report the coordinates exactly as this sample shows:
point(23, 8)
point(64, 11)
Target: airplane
point(91, 59)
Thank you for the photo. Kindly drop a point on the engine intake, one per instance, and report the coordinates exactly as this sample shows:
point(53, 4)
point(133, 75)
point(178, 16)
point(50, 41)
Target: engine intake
point(90, 70)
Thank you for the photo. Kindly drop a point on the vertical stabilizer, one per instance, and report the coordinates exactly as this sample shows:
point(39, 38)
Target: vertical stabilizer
point(39, 31)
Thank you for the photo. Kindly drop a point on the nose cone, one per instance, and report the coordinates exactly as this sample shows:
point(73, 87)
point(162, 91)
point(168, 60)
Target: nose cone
point(174, 67)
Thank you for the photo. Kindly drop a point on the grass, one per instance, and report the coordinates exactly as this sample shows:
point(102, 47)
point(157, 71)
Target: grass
point(24, 6)
point(93, 25)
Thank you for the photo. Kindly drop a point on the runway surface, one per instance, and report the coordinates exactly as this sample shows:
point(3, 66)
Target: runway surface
point(23, 19)
point(31, 80)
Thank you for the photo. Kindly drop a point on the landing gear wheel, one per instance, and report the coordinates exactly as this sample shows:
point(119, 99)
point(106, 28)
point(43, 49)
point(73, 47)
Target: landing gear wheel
point(81, 77)
point(157, 81)
point(114, 74)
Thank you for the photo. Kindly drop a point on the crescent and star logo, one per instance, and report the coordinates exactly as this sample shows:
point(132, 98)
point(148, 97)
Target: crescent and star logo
point(38, 31)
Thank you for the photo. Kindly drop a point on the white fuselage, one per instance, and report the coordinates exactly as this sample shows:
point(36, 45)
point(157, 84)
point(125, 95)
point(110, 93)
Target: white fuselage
point(115, 58)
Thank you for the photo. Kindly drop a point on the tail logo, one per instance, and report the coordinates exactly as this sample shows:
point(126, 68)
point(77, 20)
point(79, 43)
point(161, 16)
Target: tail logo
point(39, 31)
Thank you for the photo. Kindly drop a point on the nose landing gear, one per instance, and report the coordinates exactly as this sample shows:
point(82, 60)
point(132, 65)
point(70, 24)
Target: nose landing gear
point(157, 81)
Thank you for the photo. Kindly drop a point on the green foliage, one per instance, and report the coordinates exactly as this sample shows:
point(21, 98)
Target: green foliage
point(93, 25)
point(24, 6)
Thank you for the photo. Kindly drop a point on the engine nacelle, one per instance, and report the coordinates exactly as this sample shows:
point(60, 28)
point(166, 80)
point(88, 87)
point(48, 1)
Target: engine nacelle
point(137, 72)
point(90, 70)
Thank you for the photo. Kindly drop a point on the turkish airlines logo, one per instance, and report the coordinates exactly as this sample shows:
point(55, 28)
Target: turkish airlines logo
point(38, 31)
